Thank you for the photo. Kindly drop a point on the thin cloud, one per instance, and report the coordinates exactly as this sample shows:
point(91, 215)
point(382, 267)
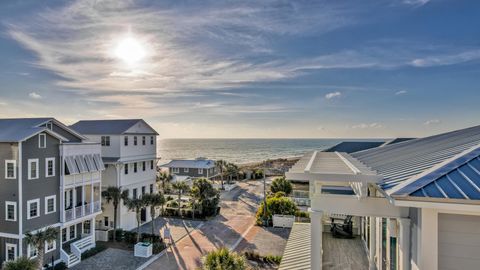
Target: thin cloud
point(401, 92)
point(415, 2)
point(331, 95)
point(432, 122)
point(34, 95)
point(367, 125)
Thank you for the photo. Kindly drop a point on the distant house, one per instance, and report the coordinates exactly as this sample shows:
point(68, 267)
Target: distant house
point(194, 168)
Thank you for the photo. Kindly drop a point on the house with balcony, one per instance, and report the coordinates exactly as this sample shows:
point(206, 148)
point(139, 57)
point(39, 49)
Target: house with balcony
point(192, 168)
point(51, 178)
point(129, 152)
point(412, 205)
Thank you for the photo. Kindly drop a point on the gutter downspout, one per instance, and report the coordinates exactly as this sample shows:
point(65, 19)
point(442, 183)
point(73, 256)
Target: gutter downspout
point(20, 199)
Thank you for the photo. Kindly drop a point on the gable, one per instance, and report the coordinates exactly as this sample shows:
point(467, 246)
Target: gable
point(141, 127)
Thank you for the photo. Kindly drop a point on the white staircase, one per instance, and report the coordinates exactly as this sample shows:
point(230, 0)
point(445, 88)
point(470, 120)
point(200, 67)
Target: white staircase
point(77, 248)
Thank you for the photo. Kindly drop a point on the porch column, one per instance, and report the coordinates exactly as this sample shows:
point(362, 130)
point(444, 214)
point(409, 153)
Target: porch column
point(429, 239)
point(92, 200)
point(373, 243)
point(74, 202)
point(404, 244)
point(83, 200)
point(316, 231)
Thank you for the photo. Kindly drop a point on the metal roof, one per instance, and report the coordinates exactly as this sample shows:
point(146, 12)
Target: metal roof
point(190, 163)
point(19, 129)
point(297, 251)
point(458, 178)
point(402, 161)
point(110, 127)
point(353, 146)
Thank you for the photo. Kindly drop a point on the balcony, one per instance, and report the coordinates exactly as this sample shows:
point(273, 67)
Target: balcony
point(81, 211)
point(80, 201)
point(81, 179)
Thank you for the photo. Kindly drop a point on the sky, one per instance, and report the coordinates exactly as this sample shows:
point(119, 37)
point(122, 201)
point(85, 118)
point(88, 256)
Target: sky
point(246, 69)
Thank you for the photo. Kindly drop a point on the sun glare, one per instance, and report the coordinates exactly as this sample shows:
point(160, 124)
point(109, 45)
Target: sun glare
point(130, 50)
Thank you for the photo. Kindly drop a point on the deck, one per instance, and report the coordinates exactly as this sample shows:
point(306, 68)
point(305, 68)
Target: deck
point(338, 254)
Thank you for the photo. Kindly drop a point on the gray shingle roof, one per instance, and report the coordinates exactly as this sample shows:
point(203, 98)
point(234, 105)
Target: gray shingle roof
point(186, 163)
point(402, 161)
point(111, 127)
point(18, 129)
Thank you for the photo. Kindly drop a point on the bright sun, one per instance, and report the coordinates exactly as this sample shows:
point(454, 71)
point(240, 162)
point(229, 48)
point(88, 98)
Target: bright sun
point(130, 50)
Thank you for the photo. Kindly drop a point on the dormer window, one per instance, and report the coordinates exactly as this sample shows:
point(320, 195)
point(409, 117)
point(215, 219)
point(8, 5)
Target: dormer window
point(50, 125)
point(42, 140)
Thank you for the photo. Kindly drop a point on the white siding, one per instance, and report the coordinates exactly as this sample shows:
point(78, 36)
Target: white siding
point(458, 242)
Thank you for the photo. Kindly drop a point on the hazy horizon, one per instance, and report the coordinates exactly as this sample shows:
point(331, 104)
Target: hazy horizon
point(249, 69)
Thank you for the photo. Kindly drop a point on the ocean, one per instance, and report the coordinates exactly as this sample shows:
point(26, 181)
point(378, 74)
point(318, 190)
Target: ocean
point(240, 150)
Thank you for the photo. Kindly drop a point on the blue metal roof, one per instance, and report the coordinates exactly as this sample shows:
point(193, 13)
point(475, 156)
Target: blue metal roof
point(17, 129)
point(106, 127)
point(354, 146)
point(403, 161)
point(189, 163)
point(457, 179)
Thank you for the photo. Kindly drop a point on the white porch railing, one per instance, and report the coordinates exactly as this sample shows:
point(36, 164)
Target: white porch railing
point(97, 206)
point(69, 259)
point(83, 178)
point(82, 245)
point(81, 211)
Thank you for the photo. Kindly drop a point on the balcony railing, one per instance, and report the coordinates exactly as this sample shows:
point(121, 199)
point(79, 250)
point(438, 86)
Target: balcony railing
point(81, 211)
point(83, 178)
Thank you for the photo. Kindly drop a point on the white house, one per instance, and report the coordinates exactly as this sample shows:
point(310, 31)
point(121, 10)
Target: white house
point(416, 203)
point(129, 151)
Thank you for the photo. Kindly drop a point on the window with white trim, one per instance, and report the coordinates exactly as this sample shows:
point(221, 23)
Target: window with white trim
point(125, 141)
point(10, 169)
point(10, 252)
point(50, 246)
point(151, 140)
point(72, 232)
point(33, 169)
point(200, 171)
point(11, 211)
point(105, 140)
point(175, 170)
point(33, 208)
point(144, 139)
point(49, 167)
point(134, 140)
point(32, 252)
point(42, 140)
point(50, 204)
point(185, 169)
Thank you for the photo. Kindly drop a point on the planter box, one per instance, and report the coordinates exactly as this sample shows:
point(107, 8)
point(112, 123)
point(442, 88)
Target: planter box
point(284, 221)
point(143, 249)
point(101, 235)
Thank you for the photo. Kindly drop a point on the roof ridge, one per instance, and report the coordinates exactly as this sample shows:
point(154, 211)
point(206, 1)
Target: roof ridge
point(442, 169)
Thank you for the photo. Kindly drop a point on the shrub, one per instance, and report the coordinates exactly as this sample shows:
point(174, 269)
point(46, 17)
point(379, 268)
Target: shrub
point(302, 214)
point(276, 206)
point(130, 237)
point(93, 251)
point(22, 263)
point(273, 259)
point(223, 259)
point(158, 247)
point(148, 237)
point(255, 256)
point(119, 234)
point(281, 184)
point(280, 194)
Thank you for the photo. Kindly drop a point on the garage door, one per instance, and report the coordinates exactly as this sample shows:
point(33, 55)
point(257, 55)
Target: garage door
point(458, 242)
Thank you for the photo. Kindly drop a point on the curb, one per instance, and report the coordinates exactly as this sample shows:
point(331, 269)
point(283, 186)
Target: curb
point(154, 258)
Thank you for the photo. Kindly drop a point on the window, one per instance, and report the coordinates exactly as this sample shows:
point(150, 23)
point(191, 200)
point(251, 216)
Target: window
point(135, 167)
point(11, 211)
point(11, 252)
point(64, 235)
point(87, 227)
point(50, 246)
point(33, 169)
point(33, 208)
point(50, 204)
point(105, 221)
point(144, 165)
point(125, 140)
point(32, 251)
point(200, 171)
point(105, 140)
point(42, 140)
point(143, 140)
point(134, 140)
point(175, 170)
point(72, 232)
point(152, 140)
point(143, 190)
point(126, 168)
point(135, 193)
point(151, 165)
point(49, 167)
point(185, 169)
point(10, 169)
point(151, 188)
point(50, 125)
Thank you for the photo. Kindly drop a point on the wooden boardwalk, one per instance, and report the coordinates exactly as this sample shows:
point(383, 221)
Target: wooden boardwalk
point(343, 254)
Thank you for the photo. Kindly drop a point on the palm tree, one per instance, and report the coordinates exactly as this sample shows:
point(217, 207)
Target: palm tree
point(38, 240)
point(232, 169)
point(221, 164)
point(154, 200)
point(223, 259)
point(205, 196)
point(181, 187)
point(164, 177)
point(194, 195)
point(136, 205)
point(114, 195)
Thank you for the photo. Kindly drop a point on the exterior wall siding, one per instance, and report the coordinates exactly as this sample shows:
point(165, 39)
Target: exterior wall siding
point(193, 172)
point(3, 243)
point(9, 190)
point(43, 186)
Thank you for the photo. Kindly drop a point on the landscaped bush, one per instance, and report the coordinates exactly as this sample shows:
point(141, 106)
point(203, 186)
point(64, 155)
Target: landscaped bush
point(22, 263)
point(276, 206)
point(58, 266)
point(93, 251)
point(255, 256)
point(279, 194)
point(158, 247)
point(148, 237)
point(130, 237)
point(281, 184)
point(119, 234)
point(302, 214)
point(223, 259)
